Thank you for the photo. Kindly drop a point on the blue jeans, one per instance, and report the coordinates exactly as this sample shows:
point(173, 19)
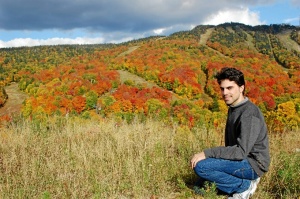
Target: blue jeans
point(228, 175)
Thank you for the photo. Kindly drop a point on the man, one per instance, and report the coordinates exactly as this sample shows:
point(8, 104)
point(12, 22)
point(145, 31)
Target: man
point(236, 167)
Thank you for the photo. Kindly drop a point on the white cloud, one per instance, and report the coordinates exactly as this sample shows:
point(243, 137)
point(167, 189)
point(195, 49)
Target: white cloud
point(159, 31)
point(243, 15)
point(291, 20)
point(51, 41)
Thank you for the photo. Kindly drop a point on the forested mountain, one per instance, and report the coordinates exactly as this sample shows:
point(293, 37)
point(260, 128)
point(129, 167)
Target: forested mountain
point(178, 73)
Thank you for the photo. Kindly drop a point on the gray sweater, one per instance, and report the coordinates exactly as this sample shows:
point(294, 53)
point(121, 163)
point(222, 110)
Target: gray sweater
point(245, 137)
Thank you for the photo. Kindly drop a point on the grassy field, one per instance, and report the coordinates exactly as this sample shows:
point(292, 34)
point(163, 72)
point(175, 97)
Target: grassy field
point(76, 158)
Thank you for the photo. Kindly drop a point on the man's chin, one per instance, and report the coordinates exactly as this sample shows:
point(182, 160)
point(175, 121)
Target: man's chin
point(228, 103)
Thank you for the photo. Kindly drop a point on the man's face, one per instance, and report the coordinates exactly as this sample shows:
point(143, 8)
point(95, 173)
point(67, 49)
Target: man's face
point(231, 92)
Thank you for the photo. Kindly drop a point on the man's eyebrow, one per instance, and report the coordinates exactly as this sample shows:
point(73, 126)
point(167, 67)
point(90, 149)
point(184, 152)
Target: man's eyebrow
point(226, 87)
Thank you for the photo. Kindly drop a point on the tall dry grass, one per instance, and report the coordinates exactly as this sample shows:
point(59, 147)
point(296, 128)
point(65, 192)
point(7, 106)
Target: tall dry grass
point(76, 158)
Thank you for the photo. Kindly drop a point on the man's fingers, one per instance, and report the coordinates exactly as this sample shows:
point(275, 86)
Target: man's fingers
point(196, 158)
point(193, 163)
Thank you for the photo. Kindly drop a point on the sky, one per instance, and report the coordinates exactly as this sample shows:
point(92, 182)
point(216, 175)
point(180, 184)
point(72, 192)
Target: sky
point(54, 22)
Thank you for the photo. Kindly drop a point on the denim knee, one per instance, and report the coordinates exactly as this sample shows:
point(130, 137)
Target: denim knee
point(200, 169)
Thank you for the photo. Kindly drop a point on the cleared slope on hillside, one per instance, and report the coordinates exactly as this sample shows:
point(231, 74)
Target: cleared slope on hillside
point(287, 41)
point(130, 50)
point(204, 37)
point(14, 102)
point(250, 42)
point(127, 76)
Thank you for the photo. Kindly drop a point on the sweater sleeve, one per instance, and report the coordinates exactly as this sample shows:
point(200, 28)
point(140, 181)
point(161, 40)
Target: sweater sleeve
point(248, 131)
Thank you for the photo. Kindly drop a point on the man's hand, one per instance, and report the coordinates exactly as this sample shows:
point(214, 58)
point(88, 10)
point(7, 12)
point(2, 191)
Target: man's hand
point(196, 158)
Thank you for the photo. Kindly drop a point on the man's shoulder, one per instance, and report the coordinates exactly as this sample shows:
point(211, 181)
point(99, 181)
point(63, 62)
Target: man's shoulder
point(251, 105)
point(251, 109)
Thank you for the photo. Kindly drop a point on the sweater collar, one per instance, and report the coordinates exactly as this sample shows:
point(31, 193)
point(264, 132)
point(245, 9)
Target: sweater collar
point(241, 103)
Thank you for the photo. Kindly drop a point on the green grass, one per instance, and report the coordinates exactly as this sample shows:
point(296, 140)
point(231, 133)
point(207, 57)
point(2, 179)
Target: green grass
point(76, 158)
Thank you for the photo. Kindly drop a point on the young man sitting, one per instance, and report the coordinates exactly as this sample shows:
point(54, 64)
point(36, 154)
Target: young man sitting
point(236, 168)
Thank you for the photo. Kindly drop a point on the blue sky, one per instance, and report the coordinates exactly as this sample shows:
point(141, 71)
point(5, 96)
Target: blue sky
point(52, 22)
point(280, 12)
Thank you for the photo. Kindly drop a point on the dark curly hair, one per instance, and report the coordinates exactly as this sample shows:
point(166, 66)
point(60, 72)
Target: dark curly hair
point(232, 74)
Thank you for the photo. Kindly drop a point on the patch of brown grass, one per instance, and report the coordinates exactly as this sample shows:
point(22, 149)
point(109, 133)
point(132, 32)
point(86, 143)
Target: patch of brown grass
point(76, 158)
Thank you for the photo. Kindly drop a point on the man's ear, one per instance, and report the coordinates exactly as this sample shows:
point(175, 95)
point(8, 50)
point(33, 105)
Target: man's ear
point(242, 88)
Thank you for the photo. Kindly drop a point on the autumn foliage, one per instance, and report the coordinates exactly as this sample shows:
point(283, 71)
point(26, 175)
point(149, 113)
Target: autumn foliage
point(84, 80)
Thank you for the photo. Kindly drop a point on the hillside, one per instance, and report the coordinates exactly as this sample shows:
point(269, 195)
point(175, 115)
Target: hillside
point(141, 77)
